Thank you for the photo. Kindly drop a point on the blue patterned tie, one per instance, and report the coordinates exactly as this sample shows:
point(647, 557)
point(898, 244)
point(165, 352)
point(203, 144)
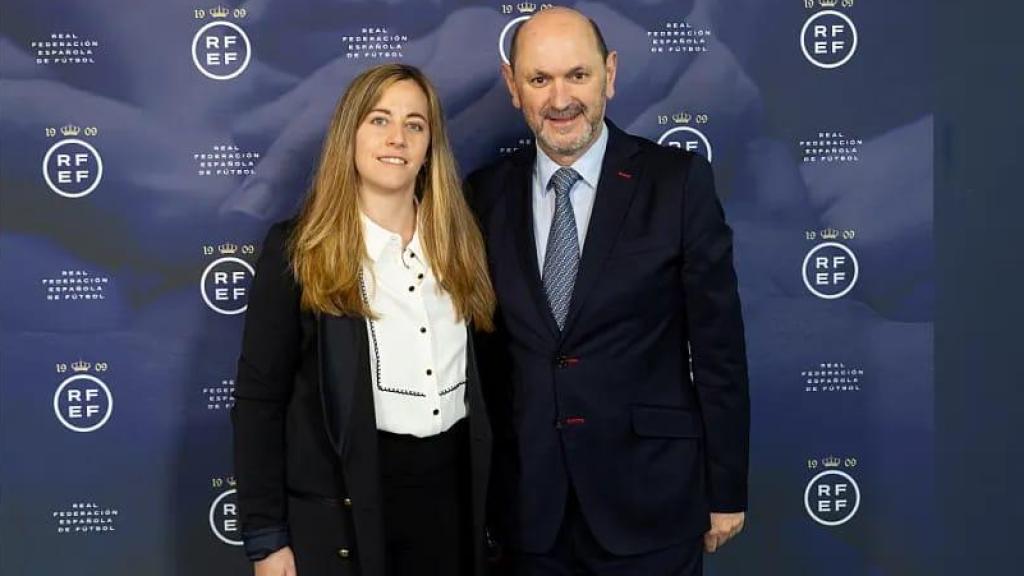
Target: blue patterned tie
point(562, 258)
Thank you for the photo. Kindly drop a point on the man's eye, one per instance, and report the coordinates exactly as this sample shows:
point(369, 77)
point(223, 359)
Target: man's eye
point(538, 80)
point(580, 76)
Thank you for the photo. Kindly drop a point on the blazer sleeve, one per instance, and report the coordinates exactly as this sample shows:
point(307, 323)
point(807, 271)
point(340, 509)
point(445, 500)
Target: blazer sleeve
point(716, 339)
point(266, 370)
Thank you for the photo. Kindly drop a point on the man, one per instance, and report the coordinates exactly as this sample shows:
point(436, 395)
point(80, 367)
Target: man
point(618, 374)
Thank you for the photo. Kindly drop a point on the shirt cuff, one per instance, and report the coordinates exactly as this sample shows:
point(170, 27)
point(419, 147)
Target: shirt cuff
point(261, 543)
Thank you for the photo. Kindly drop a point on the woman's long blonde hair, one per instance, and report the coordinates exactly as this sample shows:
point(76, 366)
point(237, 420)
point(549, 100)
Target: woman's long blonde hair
point(326, 245)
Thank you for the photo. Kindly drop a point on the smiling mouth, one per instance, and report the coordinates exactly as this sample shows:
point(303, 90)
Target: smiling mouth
point(393, 160)
point(562, 120)
point(564, 117)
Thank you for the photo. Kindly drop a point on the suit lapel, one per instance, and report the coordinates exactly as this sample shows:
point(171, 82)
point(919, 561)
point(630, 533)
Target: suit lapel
point(614, 195)
point(523, 235)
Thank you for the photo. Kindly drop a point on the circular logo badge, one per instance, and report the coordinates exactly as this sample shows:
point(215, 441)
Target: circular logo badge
point(221, 50)
point(832, 498)
point(72, 168)
point(828, 39)
point(505, 40)
point(225, 285)
point(224, 518)
point(687, 138)
point(83, 403)
point(830, 270)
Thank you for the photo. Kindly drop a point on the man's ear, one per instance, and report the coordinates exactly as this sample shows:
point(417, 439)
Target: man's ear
point(510, 83)
point(610, 65)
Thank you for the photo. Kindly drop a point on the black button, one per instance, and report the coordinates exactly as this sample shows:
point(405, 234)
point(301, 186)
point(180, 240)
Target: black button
point(423, 330)
point(411, 288)
point(419, 276)
point(436, 411)
point(429, 371)
point(412, 254)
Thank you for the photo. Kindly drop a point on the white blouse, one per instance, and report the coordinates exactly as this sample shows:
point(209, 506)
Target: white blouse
point(417, 346)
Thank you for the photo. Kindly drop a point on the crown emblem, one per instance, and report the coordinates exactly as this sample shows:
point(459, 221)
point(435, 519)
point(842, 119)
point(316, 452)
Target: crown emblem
point(830, 234)
point(222, 12)
point(227, 248)
point(681, 117)
point(81, 366)
point(828, 3)
point(831, 462)
point(526, 7)
point(70, 130)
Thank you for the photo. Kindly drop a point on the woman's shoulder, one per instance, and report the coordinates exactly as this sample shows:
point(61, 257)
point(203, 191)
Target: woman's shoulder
point(276, 238)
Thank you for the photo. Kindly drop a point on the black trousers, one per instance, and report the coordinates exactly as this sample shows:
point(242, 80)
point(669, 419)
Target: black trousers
point(578, 553)
point(426, 498)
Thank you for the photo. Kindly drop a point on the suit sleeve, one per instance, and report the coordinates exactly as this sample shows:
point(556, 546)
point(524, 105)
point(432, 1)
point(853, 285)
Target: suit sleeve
point(717, 349)
point(494, 367)
point(266, 369)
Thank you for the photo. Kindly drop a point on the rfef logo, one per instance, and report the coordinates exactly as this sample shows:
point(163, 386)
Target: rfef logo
point(828, 39)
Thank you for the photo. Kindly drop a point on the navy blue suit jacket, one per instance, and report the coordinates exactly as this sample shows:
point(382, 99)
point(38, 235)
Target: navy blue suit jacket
point(641, 404)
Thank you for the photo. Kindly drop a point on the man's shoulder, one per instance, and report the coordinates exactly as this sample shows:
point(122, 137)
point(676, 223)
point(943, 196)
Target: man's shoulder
point(662, 157)
point(488, 183)
point(501, 167)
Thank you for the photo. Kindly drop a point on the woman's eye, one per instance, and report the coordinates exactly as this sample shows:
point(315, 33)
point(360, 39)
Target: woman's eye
point(378, 121)
point(416, 127)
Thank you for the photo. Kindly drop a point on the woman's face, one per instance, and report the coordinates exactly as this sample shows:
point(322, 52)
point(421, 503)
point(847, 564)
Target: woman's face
point(392, 141)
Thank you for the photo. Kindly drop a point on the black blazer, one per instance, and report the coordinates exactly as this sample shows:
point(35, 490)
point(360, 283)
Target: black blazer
point(306, 435)
point(612, 405)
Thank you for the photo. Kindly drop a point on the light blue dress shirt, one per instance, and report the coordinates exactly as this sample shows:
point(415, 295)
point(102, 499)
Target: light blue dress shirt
point(582, 193)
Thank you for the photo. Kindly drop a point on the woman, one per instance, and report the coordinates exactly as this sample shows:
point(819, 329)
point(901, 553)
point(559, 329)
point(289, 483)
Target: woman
point(361, 441)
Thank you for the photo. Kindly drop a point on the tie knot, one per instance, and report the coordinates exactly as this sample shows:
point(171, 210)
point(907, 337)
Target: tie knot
point(563, 179)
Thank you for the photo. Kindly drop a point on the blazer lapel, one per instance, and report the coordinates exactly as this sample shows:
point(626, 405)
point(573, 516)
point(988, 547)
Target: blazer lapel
point(342, 345)
point(614, 195)
point(523, 235)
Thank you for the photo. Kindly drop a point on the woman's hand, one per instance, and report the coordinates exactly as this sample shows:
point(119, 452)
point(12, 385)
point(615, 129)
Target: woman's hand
point(280, 563)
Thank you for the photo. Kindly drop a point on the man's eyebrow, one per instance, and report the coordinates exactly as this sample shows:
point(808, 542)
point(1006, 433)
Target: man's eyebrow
point(574, 70)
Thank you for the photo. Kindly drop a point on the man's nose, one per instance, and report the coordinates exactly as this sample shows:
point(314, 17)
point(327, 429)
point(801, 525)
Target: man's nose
point(561, 95)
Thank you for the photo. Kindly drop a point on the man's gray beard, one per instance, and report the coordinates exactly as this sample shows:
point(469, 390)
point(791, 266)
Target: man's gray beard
point(574, 146)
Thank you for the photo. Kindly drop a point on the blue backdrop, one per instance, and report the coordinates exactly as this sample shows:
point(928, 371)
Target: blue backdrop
point(147, 146)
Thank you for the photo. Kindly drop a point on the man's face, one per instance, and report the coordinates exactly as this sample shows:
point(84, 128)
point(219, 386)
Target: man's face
point(561, 83)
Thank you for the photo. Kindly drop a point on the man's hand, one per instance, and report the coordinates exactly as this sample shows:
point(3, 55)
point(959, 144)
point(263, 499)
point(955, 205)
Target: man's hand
point(723, 527)
point(280, 563)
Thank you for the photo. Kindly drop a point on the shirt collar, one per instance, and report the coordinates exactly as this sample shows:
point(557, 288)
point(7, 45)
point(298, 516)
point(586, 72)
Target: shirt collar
point(378, 239)
point(588, 166)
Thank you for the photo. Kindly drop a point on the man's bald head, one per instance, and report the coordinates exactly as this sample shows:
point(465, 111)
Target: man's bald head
point(560, 19)
point(563, 78)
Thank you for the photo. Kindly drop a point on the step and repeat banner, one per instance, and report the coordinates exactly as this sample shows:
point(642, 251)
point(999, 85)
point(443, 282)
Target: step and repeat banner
point(147, 147)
